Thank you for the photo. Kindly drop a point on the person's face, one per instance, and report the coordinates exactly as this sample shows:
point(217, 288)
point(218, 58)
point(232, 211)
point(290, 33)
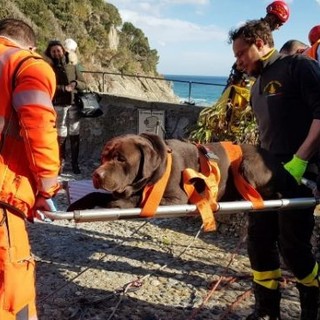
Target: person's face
point(56, 52)
point(247, 56)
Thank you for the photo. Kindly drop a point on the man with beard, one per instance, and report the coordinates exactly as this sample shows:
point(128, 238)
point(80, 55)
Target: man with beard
point(285, 99)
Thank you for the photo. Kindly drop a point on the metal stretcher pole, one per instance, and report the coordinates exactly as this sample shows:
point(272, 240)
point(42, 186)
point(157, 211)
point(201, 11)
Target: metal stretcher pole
point(173, 211)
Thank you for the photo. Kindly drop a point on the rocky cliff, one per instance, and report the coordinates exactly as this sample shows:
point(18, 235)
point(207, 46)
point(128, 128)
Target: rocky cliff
point(134, 86)
point(106, 44)
point(137, 87)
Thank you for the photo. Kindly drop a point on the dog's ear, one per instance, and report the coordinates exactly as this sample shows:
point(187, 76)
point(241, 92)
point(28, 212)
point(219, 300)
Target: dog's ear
point(154, 152)
point(157, 142)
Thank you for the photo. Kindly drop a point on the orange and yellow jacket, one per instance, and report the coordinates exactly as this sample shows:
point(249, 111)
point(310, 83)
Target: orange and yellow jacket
point(29, 153)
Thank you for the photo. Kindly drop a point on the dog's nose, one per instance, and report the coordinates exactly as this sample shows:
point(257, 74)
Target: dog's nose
point(98, 174)
point(96, 178)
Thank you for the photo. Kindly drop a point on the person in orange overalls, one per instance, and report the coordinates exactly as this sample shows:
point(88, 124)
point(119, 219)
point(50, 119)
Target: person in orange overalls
point(29, 162)
point(314, 38)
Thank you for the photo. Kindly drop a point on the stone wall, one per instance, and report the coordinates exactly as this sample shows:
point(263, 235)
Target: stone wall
point(126, 115)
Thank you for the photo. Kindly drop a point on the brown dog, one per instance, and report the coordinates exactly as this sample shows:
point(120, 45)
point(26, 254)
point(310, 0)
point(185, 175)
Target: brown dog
point(130, 162)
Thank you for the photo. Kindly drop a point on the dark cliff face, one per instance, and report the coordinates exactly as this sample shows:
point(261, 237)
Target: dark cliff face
point(132, 86)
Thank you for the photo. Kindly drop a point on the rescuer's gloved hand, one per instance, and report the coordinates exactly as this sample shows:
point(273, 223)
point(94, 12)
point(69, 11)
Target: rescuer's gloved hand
point(296, 167)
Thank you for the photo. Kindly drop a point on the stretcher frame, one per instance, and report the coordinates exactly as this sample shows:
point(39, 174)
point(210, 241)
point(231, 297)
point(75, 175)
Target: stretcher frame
point(171, 211)
point(174, 211)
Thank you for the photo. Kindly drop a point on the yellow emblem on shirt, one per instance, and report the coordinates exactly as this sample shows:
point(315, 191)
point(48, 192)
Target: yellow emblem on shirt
point(272, 88)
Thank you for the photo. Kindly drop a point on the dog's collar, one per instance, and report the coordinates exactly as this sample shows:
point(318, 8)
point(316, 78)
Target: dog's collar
point(152, 194)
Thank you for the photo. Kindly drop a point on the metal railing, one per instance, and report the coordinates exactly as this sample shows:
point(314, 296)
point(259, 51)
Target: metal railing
point(190, 83)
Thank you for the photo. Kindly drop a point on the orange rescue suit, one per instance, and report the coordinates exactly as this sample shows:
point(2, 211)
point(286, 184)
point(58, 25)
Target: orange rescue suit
point(29, 165)
point(312, 51)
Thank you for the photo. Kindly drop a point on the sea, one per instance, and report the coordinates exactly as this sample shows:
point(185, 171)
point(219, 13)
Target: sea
point(197, 90)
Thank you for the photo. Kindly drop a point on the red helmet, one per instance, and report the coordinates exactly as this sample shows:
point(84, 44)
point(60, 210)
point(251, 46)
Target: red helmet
point(279, 9)
point(314, 34)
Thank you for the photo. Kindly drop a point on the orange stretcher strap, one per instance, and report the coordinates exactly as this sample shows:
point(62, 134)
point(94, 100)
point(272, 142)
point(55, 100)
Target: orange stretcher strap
point(247, 191)
point(206, 198)
point(152, 194)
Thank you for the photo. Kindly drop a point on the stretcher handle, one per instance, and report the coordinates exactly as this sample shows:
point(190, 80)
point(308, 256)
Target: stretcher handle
point(309, 183)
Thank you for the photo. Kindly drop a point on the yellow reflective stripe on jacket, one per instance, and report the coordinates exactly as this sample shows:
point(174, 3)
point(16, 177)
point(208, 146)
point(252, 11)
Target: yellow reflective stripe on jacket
point(267, 279)
point(312, 279)
point(29, 97)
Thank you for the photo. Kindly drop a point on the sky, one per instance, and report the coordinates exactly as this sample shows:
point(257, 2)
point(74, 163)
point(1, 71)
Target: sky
point(191, 36)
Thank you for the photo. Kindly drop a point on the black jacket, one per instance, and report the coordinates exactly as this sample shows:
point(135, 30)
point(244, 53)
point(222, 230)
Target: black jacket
point(65, 73)
point(285, 99)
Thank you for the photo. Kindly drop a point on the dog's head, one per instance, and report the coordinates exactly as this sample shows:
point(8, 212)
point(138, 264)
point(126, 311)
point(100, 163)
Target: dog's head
point(130, 162)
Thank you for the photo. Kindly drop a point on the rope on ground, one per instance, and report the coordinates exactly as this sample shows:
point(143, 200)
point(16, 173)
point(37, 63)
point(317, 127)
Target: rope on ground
point(241, 297)
point(137, 283)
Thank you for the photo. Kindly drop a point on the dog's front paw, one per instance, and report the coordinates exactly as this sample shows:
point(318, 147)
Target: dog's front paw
point(90, 201)
point(123, 203)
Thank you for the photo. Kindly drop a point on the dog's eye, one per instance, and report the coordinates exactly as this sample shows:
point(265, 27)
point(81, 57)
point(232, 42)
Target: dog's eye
point(119, 157)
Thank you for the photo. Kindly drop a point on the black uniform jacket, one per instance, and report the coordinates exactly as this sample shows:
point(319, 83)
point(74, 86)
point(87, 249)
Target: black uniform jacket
point(285, 99)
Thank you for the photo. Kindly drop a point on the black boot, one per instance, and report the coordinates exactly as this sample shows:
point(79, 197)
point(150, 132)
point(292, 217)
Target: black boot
point(62, 152)
point(267, 303)
point(75, 142)
point(309, 301)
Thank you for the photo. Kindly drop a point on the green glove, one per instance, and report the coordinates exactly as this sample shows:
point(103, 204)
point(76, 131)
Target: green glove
point(296, 167)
